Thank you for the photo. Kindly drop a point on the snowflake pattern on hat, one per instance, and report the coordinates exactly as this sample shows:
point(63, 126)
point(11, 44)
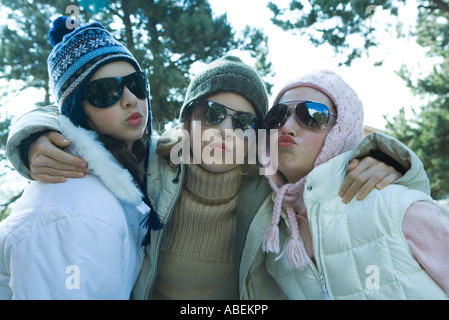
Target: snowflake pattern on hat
point(79, 51)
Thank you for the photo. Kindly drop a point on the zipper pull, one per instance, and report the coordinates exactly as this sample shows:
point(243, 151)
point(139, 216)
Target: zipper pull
point(325, 292)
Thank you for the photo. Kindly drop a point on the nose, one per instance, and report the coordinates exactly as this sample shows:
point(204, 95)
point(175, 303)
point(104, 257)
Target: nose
point(290, 126)
point(226, 126)
point(128, 99)
point(226, 123)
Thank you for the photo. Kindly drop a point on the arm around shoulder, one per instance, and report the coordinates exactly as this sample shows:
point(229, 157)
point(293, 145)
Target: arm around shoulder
point(29, 126)
point(403, 157)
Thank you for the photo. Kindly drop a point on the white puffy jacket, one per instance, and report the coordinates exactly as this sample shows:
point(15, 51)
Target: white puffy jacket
point(76, 240)
point(359, 248)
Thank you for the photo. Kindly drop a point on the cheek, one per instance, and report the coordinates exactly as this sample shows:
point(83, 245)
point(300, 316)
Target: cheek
point(197, 135)
point(313, 145)
point(143, 108)
point(240, 145)
point(101, 120)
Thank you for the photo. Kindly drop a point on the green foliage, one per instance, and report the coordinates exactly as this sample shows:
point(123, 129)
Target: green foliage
point(23, 47)
point(255, 42)
point(4, 129)
point(4, 213)
point(4, 126)
point(428, 136)
point(428, 132)
point(333, 22)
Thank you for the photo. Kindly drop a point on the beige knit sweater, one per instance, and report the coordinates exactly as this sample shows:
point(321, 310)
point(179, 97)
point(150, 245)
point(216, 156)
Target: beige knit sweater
point(199, 260)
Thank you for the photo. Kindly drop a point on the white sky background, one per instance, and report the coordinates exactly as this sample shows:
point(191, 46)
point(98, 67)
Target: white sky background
point(382, 91)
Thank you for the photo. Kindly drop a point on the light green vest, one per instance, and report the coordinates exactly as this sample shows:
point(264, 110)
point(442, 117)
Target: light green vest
point(360, 249)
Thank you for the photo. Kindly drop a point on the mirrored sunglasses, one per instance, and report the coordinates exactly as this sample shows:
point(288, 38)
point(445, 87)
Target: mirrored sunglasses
point(211, 113)
point(311, 115)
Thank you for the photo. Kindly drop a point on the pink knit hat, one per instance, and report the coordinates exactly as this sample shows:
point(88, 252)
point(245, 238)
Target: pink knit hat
point(345, 135)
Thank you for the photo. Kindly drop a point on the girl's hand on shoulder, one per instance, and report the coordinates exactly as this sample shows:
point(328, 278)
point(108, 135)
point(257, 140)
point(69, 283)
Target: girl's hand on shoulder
point(364, 175)
point(50, 164)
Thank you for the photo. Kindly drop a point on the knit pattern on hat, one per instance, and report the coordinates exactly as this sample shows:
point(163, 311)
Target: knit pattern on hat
point(77, 54)
point(228, 74)
point(345, 135)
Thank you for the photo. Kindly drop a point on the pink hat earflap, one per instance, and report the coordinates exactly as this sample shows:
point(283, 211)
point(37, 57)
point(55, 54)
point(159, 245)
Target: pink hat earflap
point(271, 239)
point(296, 253)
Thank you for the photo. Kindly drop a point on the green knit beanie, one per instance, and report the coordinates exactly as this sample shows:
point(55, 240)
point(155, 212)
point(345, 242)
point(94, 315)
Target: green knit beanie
point(228, 74)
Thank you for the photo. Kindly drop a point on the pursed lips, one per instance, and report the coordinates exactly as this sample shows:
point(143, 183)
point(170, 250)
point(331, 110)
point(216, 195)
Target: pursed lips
point(218, 147)
point(285, 141)
point(135, 119)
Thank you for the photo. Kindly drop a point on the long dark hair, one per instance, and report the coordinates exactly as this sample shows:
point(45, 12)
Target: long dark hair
point(129, 160)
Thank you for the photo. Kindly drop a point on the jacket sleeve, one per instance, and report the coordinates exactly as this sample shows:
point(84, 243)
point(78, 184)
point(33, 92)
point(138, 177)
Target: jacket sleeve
point(29, 126)
point(415, 176)
point(70, 258)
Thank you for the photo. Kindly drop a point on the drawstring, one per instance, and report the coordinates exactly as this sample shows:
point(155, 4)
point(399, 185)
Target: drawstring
point(176, 180)
point(152, 220)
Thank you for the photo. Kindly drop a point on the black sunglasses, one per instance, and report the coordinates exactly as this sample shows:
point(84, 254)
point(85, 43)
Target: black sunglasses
point(312, 115)
point(103, 93)
point(211, 113)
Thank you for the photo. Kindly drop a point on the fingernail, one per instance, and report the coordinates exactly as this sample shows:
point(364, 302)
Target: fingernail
point(379, 185)
point(359, 195)
point(82, 165)
point(345, 199)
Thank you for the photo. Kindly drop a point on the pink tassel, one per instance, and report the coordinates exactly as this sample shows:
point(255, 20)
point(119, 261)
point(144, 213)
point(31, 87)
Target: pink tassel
point(271, 239)
point(296, 254)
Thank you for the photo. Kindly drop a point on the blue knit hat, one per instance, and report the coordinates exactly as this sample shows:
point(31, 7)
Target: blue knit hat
point(77, 54)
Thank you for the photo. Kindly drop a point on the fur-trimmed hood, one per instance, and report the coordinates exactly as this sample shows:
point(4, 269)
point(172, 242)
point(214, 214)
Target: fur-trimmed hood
point(85, 144)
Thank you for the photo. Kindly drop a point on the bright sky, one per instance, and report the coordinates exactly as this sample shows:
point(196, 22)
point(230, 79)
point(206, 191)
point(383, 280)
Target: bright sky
point(382, 91)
